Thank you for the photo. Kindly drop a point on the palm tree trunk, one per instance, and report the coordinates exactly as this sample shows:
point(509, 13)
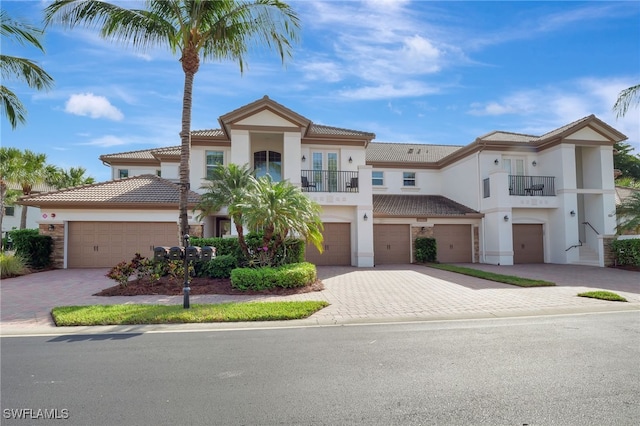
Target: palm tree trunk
point(185, 149)
point(23, 217)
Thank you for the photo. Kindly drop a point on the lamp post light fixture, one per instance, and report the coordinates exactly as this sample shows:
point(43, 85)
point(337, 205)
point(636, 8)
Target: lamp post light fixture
point(186, 289)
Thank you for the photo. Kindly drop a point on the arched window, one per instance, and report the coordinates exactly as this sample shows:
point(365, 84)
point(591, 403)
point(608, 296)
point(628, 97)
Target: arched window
point(268, 163)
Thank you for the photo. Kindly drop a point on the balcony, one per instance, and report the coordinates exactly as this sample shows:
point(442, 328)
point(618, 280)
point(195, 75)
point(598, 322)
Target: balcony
point(329, 181)
point(541, 186)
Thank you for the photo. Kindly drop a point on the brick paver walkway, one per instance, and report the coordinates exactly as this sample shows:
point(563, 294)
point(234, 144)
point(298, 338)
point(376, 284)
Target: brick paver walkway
point(384, 293)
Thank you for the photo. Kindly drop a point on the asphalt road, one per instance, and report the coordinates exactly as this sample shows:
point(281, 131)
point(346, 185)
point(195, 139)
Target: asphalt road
point(565, 370)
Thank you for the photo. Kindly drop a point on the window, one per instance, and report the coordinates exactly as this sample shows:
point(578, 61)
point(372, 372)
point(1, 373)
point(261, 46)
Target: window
point(123, 173)
point(159, 173)
point(268, 163)
point(409, 178)
point(214, 159)
point(377, 178)
point(9, 211)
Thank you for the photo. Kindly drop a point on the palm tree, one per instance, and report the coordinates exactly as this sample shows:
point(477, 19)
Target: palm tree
point(280, 210)
point(31, 169)
point(20, 69)
point(227, 186)
point(9, 158)
point(213, 30)
point(626, 98)
point(628, 212)
point(74, 176)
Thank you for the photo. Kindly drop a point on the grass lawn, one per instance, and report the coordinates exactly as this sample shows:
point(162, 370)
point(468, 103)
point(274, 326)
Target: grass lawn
point(603, 295)
point(506, 279)
point(170, 314)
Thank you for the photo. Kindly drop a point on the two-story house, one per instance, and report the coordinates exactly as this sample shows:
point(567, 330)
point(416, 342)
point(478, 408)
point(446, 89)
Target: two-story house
point(505, 198)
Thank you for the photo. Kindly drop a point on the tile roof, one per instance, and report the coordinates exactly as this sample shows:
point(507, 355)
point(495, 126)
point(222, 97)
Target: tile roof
point(622, 193)
point(560, 130)
point(319, 129)
point(208, 132)
point(40, 187)
point(500, 136)
point(404, 152)
point(418, 206)
point(137, 190)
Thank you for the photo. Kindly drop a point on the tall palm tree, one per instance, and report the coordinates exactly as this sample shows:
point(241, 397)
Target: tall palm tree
point(66, 178)
point(280, 210)
point(227, 186)
point(628, 212)
point(20, 69)
point(626, 98)
point(213, 30)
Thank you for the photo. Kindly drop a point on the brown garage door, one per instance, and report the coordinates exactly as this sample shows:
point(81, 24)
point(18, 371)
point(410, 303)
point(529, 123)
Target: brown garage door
point(337, 246)
point(105, 244)
point(391, 244)
point(527, 243)
point(453, 243)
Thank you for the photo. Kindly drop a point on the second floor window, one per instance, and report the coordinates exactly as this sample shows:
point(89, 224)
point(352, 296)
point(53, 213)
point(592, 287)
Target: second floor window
point(409, 178)
point(377, 178)
point(214, 159)
point(123, 173)
point(268, 163)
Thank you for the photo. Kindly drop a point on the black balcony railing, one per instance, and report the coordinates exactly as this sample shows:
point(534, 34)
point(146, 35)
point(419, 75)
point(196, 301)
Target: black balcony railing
point(532, 185)
point(329, 181)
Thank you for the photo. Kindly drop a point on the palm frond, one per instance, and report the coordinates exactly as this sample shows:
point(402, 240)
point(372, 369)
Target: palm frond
point(627, 98)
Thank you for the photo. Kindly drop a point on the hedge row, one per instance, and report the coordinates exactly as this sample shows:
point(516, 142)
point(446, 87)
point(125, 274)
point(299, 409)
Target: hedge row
point(285, 276)
point(627, 252)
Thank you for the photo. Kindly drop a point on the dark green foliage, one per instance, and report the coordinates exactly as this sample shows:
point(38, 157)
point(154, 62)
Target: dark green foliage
point(286, 276)
point(223, 245)
point(219, 267)
point(627, 252)
point(426, 250)
point(626, 161)
point(36, 249)
point(292, 251)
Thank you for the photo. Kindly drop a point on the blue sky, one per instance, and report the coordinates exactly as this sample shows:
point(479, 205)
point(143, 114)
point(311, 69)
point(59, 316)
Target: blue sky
point(419, 72)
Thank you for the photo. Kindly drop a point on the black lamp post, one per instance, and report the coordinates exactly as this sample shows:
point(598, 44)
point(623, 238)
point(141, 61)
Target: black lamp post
point(186, 287)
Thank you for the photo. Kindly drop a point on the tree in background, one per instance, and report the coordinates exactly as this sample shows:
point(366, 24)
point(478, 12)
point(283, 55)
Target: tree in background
point(213, 30)
point(9, 158)
point(628, 213)
point(19, 69)
point(65, 178)
point(626, 162)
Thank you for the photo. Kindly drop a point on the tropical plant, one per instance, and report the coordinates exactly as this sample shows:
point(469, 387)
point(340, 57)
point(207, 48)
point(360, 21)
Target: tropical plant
point(66, 178)
point(625, 161)
point(628, 97)
point(193, 29)
point(19, 69)
point(227, 186)
point(9, 158)
point(29, 169)
point(628, 213)
point(279, 210)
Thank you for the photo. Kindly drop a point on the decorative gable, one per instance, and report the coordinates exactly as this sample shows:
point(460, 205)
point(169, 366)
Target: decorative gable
point(266, 118)
point(587, 134)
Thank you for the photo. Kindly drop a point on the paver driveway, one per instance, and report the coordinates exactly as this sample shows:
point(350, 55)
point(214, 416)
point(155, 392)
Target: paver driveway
point(385, 293)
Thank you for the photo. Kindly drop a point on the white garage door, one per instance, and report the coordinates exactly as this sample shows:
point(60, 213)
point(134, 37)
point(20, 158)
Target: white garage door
point(105, 244)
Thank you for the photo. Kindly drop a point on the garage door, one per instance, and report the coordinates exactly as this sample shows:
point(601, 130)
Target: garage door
point(337, 246)
point(527, 243)
point(391, 244)
point(454, 243)
point(105, 244)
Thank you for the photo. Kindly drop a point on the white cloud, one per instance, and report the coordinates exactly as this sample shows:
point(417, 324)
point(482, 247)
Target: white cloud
point(105, 141)
point(390, 90)
point(88, 104)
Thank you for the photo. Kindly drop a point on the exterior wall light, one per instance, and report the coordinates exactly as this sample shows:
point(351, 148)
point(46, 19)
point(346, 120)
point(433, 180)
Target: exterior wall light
point(496, 162)
point(365, 217)
point(572, 213)
point(304, 158)
point(534, 163)
point(350, 160)
point(506, 218)
point(52, 227)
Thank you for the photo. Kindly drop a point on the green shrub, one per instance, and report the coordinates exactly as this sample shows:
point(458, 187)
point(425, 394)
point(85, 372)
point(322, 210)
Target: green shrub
point(292, 251)
point(286, 276)
point(36, 249)
point(218, 267)
point(426, 250)
point(11, 266)
point(224, 246)
point(627, 252)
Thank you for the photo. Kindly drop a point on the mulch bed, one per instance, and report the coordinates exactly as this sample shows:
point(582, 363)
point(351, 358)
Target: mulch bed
point(171, 287)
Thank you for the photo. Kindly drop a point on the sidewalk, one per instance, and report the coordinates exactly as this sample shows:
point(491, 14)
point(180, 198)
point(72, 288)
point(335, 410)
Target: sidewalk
point(381, 294)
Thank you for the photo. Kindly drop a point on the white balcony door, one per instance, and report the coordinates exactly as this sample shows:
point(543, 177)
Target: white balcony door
point(325, 170)
point(515, 167)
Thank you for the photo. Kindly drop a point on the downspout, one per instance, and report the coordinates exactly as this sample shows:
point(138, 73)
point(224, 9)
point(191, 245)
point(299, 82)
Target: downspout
point(480, 188)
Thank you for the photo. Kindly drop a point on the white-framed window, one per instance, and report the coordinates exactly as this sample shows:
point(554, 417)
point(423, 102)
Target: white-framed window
point(213, 160)
point(123, 173)
point(377, 178)
point(9, 211)
point(409, 178)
